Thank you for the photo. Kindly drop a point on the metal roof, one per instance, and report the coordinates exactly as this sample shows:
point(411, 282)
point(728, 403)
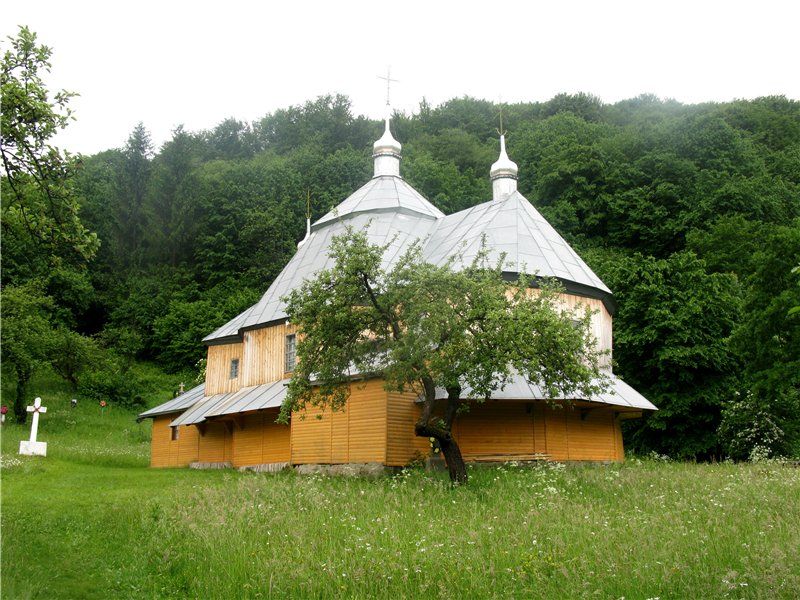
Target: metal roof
point(177, 404)
point(382, 193)
point(619, 393)
point(398, 229)
point(257, 397)
point(513, 226)
point(197, 413)
point(390, 210)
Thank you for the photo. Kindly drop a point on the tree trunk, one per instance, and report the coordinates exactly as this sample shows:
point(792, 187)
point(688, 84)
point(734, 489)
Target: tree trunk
point(442, 431)
point(20, 408)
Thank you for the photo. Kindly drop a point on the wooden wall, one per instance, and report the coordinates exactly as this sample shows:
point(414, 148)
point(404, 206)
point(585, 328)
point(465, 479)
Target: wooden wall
point(264, 354)
point(601, 321)
point(500, 431)
point(402, 444)
point(218, 369)
point(356, 434)
point(215, 443)
point(258, 439)
point(261, 360)
point(165, 452)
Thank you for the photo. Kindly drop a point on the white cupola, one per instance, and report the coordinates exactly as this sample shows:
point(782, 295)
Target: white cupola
point(386, 153)
point(503, 174)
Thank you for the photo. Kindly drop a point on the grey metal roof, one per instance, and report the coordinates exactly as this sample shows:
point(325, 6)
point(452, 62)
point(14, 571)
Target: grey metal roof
point(515, 227)
point(257, 397)
point(177, 404)
point(399, 229)
point(619, 393)
point(197, 413)
point(389, 209)
point(381, 194)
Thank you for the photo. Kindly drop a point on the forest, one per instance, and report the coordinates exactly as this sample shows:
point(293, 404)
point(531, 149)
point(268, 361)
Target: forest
point(690, 213)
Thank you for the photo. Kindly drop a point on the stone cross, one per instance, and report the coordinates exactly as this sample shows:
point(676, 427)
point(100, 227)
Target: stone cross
point(32, 447)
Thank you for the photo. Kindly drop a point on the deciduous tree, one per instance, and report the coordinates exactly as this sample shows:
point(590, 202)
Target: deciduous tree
point(423, 327)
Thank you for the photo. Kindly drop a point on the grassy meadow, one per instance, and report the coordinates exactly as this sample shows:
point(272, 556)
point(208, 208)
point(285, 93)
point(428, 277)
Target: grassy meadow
point(93, 521)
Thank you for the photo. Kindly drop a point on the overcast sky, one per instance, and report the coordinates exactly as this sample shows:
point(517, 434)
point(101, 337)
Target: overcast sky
point(196, 63)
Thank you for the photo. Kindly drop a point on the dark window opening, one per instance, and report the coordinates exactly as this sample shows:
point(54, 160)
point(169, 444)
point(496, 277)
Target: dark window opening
point(234, 368)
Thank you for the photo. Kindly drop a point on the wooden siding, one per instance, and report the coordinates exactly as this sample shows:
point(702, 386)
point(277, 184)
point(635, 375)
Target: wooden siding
point(264, 354)
point(166, 452)
point(218, 369)
point(601, 321)
point(403, 444)
point(216, 443)
point(356, 434)
point(258, 439)
point(498, 431)
point(495, 429)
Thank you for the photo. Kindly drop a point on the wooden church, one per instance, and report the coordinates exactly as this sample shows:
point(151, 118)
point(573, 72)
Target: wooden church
point(229, 421)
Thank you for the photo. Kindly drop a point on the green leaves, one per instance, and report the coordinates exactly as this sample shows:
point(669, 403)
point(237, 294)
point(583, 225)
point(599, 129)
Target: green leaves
point(421, 326)
point(40, 212)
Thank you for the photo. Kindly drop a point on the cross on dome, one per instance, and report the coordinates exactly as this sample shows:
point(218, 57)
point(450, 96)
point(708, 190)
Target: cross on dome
point(386, 150)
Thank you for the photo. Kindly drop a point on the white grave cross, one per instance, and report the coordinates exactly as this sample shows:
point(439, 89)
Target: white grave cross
point(32, 447)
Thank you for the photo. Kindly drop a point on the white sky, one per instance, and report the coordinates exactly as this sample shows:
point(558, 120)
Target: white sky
point(196, 63)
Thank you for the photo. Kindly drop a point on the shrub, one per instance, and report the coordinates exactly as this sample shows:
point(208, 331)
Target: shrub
point(113, 383)
point(752, 426)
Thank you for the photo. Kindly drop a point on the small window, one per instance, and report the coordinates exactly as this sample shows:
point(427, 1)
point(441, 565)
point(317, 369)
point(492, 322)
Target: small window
point(174, 434)
point(234, 368)
point(291, 353)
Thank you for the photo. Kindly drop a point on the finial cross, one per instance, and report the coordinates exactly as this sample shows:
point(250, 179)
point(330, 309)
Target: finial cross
point(388, 79)
point(501, 131)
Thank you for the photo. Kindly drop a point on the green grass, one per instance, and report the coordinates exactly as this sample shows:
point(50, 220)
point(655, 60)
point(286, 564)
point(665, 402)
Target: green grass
point(92, 521)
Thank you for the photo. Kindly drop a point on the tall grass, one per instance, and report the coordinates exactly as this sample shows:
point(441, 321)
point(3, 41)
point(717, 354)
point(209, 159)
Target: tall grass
point(91, 521)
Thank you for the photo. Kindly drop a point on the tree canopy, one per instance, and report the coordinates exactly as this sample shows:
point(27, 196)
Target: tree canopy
point(422, 327)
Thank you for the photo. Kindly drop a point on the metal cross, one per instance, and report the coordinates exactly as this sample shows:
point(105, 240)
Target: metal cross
point(388, 79)
point(501, 131)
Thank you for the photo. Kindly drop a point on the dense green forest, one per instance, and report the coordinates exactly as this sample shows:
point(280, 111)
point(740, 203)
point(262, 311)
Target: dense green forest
point(689, 213)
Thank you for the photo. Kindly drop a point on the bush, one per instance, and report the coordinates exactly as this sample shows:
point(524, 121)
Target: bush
point(752, 426)
point(113, 383)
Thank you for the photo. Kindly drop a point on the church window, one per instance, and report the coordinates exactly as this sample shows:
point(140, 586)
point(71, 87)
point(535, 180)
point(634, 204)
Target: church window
point(291, 353)
point(174, 434)
point(234, 368)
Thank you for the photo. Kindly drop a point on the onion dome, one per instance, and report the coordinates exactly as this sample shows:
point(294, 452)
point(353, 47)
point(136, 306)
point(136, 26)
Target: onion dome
point(386, 152)
point(503, 174)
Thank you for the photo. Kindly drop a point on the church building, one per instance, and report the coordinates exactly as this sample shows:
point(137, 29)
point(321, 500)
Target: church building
point(229, 420)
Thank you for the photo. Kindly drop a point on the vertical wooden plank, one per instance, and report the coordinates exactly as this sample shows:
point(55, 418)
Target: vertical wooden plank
point(160, 441)
point(276, 439)
point(402, 444)
point(218, 368)
point(188, 445)
point(556, 433)
point(248, 441)
point(539, 430)
point(212, 443)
